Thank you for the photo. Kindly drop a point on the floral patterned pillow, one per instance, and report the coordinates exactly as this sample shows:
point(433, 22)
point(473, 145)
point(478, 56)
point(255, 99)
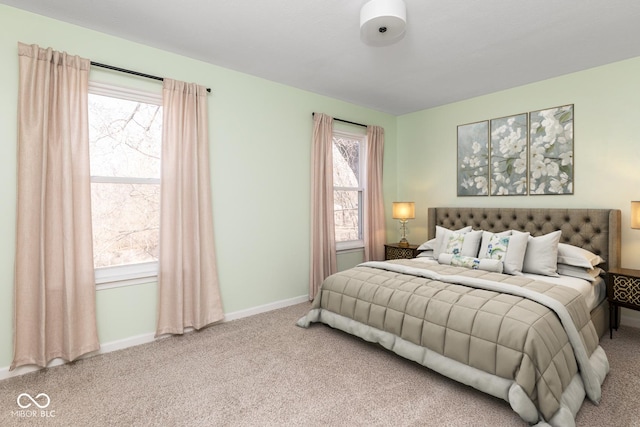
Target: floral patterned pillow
point(497, 247)
point(471, 262)
point(464, 244)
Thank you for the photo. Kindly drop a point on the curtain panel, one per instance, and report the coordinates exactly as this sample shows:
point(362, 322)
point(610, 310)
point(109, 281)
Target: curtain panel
point(323, 240)
point(55, 310)
point(189, 293)
point(374, 224)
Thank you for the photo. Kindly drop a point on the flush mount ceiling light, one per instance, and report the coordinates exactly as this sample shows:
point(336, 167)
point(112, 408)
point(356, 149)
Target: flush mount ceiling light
point(383, 22)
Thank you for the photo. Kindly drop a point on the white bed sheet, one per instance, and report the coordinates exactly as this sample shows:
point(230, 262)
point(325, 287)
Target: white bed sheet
point(594, 293)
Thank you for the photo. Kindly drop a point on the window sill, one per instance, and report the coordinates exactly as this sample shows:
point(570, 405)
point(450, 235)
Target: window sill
point(124, 283)
point(350, 246)
point(126, 275)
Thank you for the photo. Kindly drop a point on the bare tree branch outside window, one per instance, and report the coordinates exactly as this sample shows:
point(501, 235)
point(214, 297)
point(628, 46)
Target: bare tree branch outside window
point(125, 191)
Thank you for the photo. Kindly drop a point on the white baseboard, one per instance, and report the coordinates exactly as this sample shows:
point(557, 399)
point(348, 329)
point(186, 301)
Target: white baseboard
point(149, 337)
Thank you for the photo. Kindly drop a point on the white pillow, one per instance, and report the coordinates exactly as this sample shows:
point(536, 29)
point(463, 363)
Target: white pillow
point(463, 244)
point(573, 255)
point(515, 253)
point(428, 245)
point(589, 274)
point(542, 254)
point(442, 238)
point(514, 258)
point(426, 254)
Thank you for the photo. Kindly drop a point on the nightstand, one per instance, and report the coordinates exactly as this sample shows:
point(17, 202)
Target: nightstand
point(395, 251)
point(623, 290)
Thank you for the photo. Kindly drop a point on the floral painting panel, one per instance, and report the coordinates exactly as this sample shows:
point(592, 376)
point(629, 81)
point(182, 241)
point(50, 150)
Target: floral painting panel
point(551, 151)
point(473, 159)
point(509, 156)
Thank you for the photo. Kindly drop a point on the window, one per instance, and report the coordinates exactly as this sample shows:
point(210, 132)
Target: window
point(348, 189)
point(125, 131)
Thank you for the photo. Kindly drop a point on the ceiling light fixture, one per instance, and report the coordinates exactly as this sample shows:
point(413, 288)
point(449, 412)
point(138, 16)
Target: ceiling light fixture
point(383, 22)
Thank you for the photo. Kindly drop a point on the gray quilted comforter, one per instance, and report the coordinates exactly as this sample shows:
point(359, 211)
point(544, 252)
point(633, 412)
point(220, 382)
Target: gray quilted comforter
point(528, 342)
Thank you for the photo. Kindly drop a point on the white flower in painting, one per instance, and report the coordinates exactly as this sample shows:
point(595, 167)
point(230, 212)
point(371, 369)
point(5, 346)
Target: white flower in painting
point(564, 178)
point(540, 189)
point(498, 178)
point(567, 158)
point(568, 131)
point(481, 184)
point(474, 162)
point(520, 165)
point(555, 186)
point(502, 191)
point(476, 147)
point(511, 121)
point(553, 169)
point(552, 126)
point(521, 185)
point(538, 169)
point(534, 127)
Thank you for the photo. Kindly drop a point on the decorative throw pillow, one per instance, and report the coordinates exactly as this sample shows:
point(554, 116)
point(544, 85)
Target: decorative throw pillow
point(464, 244)
point(486, 237)
point(442, 238)
point(573, 255)
point(516, 248)
point(542, 254)
point(474, 263)
point(497, 247)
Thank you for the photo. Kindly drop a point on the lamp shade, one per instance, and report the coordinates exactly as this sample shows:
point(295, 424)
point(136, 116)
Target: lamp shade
point(382, 22)
point(404, 210)
point(635, 214)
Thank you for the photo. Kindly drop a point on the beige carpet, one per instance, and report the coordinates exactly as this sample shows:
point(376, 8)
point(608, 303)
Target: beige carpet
point(265, 371)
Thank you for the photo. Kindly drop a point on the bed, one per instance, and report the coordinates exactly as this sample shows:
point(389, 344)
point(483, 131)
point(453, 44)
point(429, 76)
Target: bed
point(524, 337)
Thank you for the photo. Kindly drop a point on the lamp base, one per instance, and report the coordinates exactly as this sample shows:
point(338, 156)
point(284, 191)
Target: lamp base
point(404, 243)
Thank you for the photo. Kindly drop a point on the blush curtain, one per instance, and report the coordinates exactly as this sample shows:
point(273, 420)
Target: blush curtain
point(188, 289)
point(375, 231)
point(55, 308)
point(323, 240)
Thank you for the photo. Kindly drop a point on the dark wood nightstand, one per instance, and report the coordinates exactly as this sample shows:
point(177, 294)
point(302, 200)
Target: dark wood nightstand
point(623, 290)
point(395, 251)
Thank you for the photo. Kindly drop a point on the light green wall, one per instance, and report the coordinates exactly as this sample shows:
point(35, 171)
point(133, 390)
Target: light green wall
point(260, 135)
point(260, 154)
point(606, 151)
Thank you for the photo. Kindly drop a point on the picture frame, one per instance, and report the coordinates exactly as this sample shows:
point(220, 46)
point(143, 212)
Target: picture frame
point(551, 143)
point(473, 159)
point(508, 156)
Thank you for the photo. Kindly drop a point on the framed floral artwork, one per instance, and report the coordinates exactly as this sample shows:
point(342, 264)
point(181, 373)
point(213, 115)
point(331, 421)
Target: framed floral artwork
point(551, 151)
point(508, 156)
point(473, 159)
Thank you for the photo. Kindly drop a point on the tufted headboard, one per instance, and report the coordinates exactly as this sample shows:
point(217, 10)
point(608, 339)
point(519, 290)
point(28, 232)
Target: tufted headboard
point(597, 230)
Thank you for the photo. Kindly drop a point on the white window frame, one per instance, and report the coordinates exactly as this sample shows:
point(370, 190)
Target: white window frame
point(359, 243)
point(138, 273)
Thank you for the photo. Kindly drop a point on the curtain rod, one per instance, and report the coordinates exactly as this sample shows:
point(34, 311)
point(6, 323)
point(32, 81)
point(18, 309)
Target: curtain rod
point(345, 121)
point(135, 73)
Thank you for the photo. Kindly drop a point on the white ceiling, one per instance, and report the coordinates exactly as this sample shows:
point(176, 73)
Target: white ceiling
point(453, 49)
